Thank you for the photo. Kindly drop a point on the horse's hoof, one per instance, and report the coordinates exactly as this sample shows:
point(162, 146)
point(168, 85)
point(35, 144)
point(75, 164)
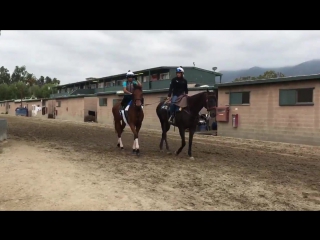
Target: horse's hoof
point(161, 150)
point(121, 148)
point(176, 153)
point(191, 158)
point(133, 151)
point(118, 145)
point(138, 152)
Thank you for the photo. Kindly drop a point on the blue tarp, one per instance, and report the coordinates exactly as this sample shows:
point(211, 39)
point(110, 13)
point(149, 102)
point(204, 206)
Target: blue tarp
point(21, 112)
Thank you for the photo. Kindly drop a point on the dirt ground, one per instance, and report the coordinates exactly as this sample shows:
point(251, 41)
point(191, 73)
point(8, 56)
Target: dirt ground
point(48, 164)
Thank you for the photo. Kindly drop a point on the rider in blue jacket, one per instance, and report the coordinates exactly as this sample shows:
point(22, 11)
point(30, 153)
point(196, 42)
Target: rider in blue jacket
point(128, 88)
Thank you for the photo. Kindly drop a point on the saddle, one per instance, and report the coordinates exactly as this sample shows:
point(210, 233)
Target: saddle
point(182, 101)
point(124, 111)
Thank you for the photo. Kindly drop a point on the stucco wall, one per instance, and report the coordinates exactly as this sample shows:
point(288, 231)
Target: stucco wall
point(70, 109)
point(90, 104)
point(3, 107)
point(264, 119)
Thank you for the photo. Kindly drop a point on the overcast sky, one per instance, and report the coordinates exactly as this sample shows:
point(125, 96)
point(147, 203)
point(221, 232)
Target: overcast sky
point(72, 56)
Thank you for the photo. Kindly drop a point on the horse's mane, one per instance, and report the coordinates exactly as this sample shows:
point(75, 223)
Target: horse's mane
point(200, 93)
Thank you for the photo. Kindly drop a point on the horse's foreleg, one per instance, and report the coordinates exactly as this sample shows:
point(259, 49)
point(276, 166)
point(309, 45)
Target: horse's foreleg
point(183, 140)
point(191, 133)
point(119, 131)
point(135, 130)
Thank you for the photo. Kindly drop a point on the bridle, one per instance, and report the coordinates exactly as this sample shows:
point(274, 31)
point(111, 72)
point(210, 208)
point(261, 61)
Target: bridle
point(134, 100)
point(207, 101)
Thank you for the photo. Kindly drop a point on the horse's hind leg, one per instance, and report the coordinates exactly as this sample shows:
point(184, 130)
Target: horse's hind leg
point(183, 140)
point(162, 137)
point(123, 125)
point(166, 129)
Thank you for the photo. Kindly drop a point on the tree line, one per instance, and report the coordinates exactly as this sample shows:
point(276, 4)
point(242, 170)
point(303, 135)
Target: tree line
point(22, 84)
point(265, 75)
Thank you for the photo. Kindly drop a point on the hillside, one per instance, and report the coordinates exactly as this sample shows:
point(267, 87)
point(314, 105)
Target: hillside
point(305, 68)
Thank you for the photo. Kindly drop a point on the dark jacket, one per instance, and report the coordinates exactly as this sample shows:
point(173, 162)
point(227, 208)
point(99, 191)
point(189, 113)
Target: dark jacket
point(178, 86)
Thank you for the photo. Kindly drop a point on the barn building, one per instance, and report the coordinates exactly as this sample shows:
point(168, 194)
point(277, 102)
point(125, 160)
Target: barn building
point(284, 109)
point(97, 96)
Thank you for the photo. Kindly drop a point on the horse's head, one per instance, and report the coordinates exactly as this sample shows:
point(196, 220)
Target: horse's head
point(137, 96)
point(210, 100)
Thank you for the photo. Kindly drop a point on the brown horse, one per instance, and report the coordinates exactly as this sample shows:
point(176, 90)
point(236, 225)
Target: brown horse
point(133, 117)
point(187, 117)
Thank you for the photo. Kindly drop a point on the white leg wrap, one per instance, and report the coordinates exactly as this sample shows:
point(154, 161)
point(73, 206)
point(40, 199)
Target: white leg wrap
point(137, 143)
point(134, 144)
point(120, 141)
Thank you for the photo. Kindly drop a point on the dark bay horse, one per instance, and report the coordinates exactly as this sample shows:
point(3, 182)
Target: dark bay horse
point(133, 116)
point(187, 117)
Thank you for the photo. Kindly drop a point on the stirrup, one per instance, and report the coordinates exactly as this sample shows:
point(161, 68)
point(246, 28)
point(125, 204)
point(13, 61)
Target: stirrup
point(171, 119)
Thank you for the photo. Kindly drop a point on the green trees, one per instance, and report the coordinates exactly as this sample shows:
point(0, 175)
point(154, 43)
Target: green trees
point(266, 75)
point(22, 84)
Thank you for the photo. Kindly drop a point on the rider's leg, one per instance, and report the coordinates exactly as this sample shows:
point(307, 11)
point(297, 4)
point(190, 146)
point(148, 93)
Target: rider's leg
point(129, 98)
point(172, 108)
point(124, 101)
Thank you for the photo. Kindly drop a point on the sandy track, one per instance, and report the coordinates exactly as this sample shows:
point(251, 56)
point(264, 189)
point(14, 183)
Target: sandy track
point(52, 164)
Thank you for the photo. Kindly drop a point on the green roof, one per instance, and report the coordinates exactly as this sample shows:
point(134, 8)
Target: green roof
point(163, 90)
point(136, 72)
point(75, 96)
point(271, 80)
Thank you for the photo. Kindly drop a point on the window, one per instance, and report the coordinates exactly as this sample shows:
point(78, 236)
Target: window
point(58, 103)
point(119, 82)
point(291, 97)
point(145, 78)
point(103, 101)
point(116, 100)
point(92, 113)
point(239, 98)
point(154, 77)
point(139, 78)
point(110, 84)
point(164, 76)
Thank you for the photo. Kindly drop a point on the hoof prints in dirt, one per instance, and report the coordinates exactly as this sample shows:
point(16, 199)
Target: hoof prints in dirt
point(222, 175)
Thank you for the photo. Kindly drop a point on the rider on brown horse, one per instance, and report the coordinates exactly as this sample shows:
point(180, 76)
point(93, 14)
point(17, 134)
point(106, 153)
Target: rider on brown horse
point(178, 86)
point(128, 87)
